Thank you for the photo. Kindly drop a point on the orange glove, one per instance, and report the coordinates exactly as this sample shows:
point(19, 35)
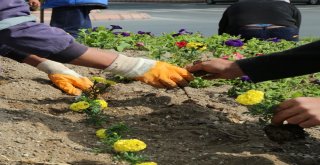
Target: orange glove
point(64, 78)
point(155, 73)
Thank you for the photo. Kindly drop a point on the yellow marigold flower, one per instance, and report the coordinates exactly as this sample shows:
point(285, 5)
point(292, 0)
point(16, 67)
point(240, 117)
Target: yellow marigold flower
point(103, 104)
point(79, 106)
point(203, 48)
point(101, 133)
point(250, 97)
point(129, 145)
point(147, 163)
point(196, 45)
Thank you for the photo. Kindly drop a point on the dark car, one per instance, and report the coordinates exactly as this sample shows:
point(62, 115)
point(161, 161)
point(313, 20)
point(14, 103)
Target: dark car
point(312, 2)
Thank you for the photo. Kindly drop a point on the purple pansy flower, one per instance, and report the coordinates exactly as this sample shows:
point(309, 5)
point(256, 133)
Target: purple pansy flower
point(245, 78)
point(113, 27)
point(181, 32)
point(184, 31)
point(125, 34)
point(142, 32)
point(274, 39)
point(234, 42)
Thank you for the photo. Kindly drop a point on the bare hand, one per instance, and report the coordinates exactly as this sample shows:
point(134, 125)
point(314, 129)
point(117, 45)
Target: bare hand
point(216, 68)
point(34, 3)
point(304, 111)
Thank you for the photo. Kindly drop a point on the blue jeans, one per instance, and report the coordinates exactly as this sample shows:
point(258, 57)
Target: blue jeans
point(286, 33)
point(71, 19)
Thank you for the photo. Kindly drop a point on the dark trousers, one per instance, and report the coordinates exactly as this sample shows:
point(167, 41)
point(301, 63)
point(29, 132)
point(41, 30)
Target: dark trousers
point(71, 19)
point(286, 33)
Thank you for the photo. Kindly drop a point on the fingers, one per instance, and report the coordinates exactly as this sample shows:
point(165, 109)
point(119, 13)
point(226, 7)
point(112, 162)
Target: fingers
point(285, 105)
point(183, 73)
point(64, 84)
point(309, 123)
point(195, 68)
point(151, 81)
point(298, 118)
point(178, 79)
point(82, 83)
point(283, 115)
point(166, 80)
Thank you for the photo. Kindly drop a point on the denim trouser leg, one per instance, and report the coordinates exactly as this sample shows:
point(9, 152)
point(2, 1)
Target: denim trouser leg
point(286, 33)
point(71, 19)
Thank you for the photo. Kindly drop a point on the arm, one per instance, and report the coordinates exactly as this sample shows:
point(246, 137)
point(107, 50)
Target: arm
point(297, 16)
point(294, 62)
point(56, 45)
point(223, 24)
point(303, 111)
point(63, 77)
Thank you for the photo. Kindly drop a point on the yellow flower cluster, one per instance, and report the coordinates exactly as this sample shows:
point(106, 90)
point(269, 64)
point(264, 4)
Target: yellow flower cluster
point(250, 97)
point(129, 145)
point(101, 133)
point(103, 104)
point(147, 163)
point(79, 106)
point(196, 45)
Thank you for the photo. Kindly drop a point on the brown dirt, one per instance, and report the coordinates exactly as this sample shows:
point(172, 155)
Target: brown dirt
point(181, 126)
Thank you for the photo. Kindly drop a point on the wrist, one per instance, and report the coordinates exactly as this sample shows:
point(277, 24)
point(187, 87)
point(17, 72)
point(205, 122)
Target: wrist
point(233, 70)
point(130, 66)
point(52, 67)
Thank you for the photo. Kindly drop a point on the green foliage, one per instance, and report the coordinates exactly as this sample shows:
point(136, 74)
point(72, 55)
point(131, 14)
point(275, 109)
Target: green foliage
point(198, 82)
point(131, 157)
point(113, 134)
point(164, 48)
point(275, 92)
point(95, 112)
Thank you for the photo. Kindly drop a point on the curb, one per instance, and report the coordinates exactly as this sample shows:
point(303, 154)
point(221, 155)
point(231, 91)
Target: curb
point(97, 15)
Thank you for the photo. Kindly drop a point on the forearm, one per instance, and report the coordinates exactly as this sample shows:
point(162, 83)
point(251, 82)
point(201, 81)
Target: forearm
point(294, 62)
point(95, 58)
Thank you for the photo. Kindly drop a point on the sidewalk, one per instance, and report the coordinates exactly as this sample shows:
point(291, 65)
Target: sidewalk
point(96, 15)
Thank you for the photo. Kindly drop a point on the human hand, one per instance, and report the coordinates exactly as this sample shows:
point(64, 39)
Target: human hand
point(155, 73)
point(215, 68)
point(34, 3)
point(303, 111)
point(64, 78)
point(165, 75)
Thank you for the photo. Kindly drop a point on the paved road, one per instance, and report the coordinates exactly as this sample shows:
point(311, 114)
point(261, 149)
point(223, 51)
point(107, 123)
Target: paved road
point(194, 17)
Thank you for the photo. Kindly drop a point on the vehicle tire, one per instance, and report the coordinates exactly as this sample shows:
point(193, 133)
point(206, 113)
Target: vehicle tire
point(210, 2)
point(314, 2)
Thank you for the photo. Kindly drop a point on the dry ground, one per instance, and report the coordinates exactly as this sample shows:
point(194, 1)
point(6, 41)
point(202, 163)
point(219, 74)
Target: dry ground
point(181, 127)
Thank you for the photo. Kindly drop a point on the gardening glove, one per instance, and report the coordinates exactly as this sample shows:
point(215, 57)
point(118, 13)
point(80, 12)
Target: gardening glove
point(64, 78)
point(155, 73)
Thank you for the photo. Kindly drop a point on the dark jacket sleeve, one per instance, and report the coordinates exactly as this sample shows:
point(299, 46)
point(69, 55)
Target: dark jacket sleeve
point(223, 23)
point(297, 16)
point(294, 62)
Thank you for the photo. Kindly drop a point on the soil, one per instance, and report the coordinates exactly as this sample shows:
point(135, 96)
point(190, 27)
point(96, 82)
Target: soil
point(181, 126)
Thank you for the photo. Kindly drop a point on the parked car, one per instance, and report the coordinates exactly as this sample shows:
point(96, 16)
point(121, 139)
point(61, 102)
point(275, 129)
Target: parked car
point(312, 2)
